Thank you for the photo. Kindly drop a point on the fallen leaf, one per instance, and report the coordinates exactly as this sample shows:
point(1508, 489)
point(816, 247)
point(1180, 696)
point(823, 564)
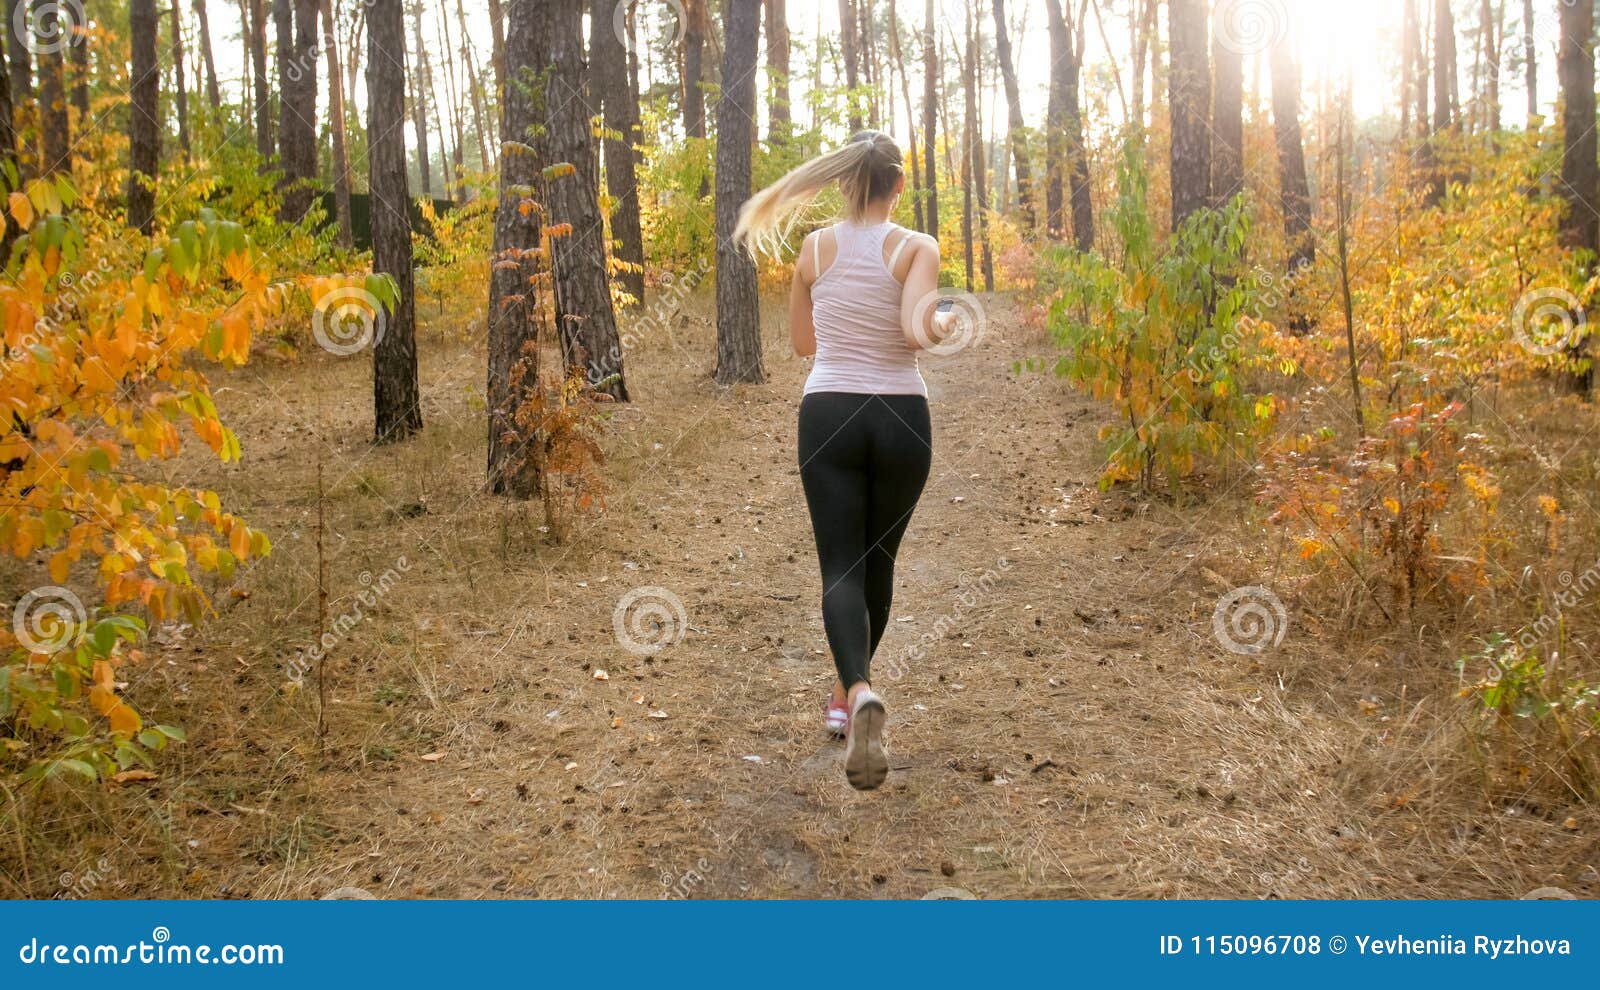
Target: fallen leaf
point(1571, 824)
point(431, 757)
point(135, 775)
point(601, 675)
point(658, 713)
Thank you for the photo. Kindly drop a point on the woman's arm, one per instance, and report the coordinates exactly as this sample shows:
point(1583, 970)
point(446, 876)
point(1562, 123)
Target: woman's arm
point(923, 325)
point(802, 333)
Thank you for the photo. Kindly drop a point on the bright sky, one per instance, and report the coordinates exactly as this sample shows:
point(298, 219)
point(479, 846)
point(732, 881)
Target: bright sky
point(1362, 35)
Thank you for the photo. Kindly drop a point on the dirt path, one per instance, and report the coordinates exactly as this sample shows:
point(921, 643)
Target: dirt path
point(1064, 722)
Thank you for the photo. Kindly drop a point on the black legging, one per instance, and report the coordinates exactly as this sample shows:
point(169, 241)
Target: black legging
point(863, 462)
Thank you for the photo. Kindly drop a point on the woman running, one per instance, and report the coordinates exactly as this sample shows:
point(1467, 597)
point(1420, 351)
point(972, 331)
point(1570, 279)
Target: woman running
point(863, 300)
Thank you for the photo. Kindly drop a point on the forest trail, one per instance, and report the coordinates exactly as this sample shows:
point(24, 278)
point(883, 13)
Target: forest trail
point(1064, 722)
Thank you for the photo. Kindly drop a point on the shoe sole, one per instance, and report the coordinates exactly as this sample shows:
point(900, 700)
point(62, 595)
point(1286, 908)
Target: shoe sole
point(865, 763)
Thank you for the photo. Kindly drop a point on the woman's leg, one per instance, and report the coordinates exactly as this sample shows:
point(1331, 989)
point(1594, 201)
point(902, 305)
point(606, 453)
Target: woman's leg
point(902, 453)
point(833, 471)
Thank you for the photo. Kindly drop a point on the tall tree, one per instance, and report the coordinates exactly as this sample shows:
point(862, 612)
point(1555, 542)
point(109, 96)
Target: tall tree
point(8, 137)
point(207, 56)
point(452, 93)
point(497, 32)
point(297, 126)
point(144, 123)
point(977, 147)
point(1189, 97)
point(22, 95)
point(474, 85)
point(1409, 77)
point(738, 304)
point(1227, 118)
point(1530, 58)
point(513, 291)
point(913, 155)
point(181, 89)
point(584, 313)
point(697, 23)
point(1066, 154)
point(419, 103)
point(1016, 127)
point(79, 52)
point(1491, 31)
point(266, 140)
point(608, 59)
point(396, 407)
point(1444, 67)
point(1295, 197)
point(779, 120)
point(55, 123)
point(850, 47)
point(336, 124)
point(1580, 171)
point(930, 117)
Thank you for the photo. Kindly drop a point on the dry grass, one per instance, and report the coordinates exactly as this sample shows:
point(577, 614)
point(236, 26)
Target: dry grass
point(1068, 726)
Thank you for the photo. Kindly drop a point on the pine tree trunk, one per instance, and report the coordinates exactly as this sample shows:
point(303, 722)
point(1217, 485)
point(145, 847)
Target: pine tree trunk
point(913, 154)
point(80, 77)
point(971, 158)
point(849, 44)
point(979, 150)
point(1227, 121)
point(8, 140)
point(213, 90)
point(1444, 67)
point(475, 86)
point(1066, 154)
point(419, 105)
point(24, 103)
point(297, 104)
point(144, 123)
point(266, 140)
point(585, 319)
point(1408, 76)
point(738, 304)
point(1491, 25)
point(1295, 198)
point(513, 469)
point(181, 92)
point(1530, 56)
point(779, 120)
point(693, 73)
point(608, 59)
point(1018, 130)
point(396, 406)
point(497, 29)
point(1580, 172)
point(336, 121)
point(452, 94)
point(54, 118)
point(1189, 97)
point(930, 117)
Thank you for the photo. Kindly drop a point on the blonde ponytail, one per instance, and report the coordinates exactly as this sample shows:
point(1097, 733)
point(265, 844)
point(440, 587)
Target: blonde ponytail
point(866, 169)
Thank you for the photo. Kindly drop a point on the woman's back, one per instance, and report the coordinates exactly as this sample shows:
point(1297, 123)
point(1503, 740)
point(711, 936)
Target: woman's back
point(855, 301)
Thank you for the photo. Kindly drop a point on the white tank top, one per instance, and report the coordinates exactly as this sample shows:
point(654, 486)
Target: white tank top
point(855, 308)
